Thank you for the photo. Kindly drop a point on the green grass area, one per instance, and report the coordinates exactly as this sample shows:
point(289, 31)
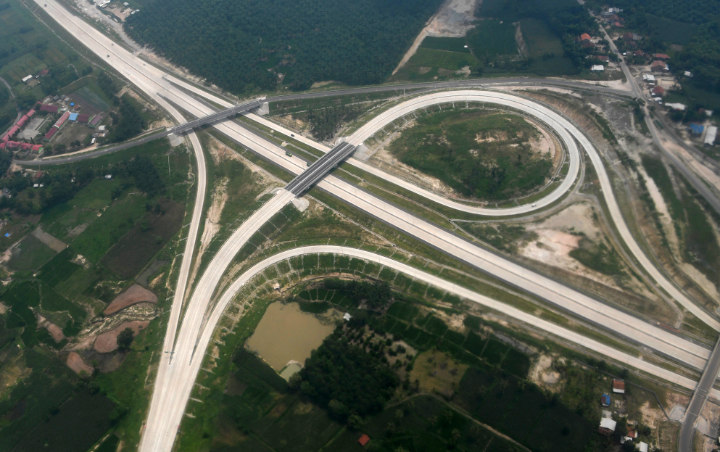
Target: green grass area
point(60, 220)
point(479, 154)
point(448, 44)
point(50, 408)
point(145, 239)
point(30, 254)
point(545, 50)
point(597, 257)
point(431, 64)
point(492, 38)
point(114, 222)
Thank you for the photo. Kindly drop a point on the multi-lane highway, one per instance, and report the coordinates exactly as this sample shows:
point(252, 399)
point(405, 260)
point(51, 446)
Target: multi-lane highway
point(159, 432)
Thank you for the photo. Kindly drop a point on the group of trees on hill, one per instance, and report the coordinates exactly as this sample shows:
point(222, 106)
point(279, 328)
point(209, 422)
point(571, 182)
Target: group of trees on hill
point(253, 44)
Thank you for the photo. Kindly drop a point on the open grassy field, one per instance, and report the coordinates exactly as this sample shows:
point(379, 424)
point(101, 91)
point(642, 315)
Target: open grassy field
point(492, 38)
point(480, 154)
point(130, 254)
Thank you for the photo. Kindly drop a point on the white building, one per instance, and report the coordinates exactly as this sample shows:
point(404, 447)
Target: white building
point(676, 106)
point(648, 78)
point(710, 135)
point(27, 78)
point(597, 68)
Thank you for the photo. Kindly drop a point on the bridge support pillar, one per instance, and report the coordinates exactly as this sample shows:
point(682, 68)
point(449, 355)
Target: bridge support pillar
point(264, 109)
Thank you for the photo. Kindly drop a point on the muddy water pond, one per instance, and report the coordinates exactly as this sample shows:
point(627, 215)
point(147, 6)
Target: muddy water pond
point(285, 333)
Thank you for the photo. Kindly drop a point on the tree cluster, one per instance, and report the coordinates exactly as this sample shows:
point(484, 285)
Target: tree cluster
point(375, 294)
point(127, 122)
point(346, 379)
point(253, 44)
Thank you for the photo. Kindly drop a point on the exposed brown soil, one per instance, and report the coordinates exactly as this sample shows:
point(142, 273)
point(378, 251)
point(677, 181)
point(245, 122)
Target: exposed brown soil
point(133, 295)
point(107, 342)
point(78, 365)
point(54, 330)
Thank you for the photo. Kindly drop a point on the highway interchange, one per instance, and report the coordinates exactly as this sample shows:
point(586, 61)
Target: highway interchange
point(183, 348)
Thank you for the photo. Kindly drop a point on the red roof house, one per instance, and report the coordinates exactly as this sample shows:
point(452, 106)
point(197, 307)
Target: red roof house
point(658, 91)
point(618, 386)
point(584, 37)
point(661, 56)
point(49, 108)
point(658, 66)
point(363, 440)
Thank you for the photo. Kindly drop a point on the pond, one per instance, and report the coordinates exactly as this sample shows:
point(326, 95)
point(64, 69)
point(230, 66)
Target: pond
point(285, 334)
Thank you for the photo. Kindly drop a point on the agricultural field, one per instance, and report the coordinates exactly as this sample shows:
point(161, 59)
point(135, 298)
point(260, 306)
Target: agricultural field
point(86, 247)
point(479, 154)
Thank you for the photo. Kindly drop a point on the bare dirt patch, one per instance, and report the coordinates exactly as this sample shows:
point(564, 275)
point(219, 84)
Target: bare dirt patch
point(107, 342)
point(561, 233)
point(133, 295)
point(543, 375)
point(54, 330)
point(78, 365)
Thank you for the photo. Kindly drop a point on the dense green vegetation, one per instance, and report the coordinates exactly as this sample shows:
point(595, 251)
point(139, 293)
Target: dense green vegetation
point(347, 379)
point(479, 154)
point(127, 122)
point(255, 44)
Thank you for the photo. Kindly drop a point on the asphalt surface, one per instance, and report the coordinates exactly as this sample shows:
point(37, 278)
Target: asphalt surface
point(159, 432)
point(320, 169)
point(699, 397)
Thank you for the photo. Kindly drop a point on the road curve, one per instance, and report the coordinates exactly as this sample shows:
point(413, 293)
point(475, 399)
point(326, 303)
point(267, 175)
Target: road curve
point(567, 132)
point(175, 371)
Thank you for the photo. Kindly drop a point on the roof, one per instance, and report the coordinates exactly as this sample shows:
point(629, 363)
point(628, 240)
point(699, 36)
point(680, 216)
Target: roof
point(661, 56)
point(83, 117)
point(658, 64)
point(607, 423)
point(658, 90)
point(618, 385)
point(73, 116)
point(584, 37)
point(364, 439)
point(676, 106)
point(643, 447)
point(49, 108)
point(605, 400)
point(711, 135)
point(696, 128)
point(597, 67)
